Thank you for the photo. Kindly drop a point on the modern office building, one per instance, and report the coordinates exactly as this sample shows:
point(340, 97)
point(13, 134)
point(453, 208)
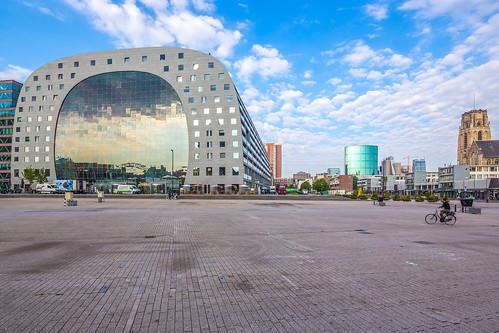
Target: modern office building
point(419, 165)
point(450, 177)
point(274, 152)
point(333, 172)
point(9, 93)
point(361, 160)
point(475, 126)
point(139, 115)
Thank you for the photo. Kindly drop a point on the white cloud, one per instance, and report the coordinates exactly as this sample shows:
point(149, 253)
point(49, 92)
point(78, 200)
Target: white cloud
point(307, 74)
point(14, 72)
point(266, 62)
point(361, 53)
point(43, 9)
point(377, 11)
point(290, 94)
point(168, 22)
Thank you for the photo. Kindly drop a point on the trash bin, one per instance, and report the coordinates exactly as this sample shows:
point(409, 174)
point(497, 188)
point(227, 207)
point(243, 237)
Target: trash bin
point(100, 196)
point(466, 203)
point(69, 199)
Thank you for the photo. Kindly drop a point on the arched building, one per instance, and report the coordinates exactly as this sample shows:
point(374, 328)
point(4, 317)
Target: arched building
point(115, 116)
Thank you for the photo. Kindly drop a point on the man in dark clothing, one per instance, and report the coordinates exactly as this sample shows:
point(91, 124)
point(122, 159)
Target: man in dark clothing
point(445, 209)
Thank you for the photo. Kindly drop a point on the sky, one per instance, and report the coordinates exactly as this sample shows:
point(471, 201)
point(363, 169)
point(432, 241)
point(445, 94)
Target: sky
point(315, 75)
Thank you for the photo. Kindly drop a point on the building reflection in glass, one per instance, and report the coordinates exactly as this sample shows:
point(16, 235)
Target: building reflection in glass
point(119, 127)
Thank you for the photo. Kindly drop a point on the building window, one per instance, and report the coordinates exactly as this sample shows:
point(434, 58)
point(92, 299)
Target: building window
point(222, 144)
point(216, 99)
point(226, 86)
point(213, 87)
point(235, 144)
point(221, 76)
point(194, 111)
point(230, 98)
point(109, 61)
point(196, 134)
point(47, 138)
point(26, 159)
point(195, 67)
point(166, 68)
point(92, 62)
point(180, 67)
point(33, 98)
point(191, 100)
point(197, 156)
point(37, 159)
point(234, 132)
point(195, 122)
point(50, 87)
point(221, 171)
point(60, 65)
point(207, 77)
point(186, 89)
point(195, 171)
point(233, 121)
point(55, 97)
point(232, 109)
point(208, 122)
point(144, 58)
point(21, 109)
point(203, 99)
point(209, 144)
point(26, 149)
point(73, 75)
point(197, 144)
point(23, 99)
point(211, 65)
point(60, 76)
point(221, 132)
point(179, 79)
point(235, 171)
point(209, 171)
point(38, 88)
point(181, 55)
point(206, 110)
point(76, 64)
point(193, 77)
point(209, 133)
point(126, 60)
point(209, 156)
point(162, 57)
point(61, 86)
point(16, 149)
point(26, 139)
point(219, 110)
point(200, 89)
point(47, 159)
point(35, 78)
point(220, 121)
point(222, 155)
point(235, 156)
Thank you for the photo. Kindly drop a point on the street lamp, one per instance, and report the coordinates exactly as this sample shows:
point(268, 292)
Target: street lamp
point(172, 171)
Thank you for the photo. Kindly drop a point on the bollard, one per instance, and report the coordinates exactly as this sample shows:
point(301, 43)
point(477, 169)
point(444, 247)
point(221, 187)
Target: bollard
point(100, 196)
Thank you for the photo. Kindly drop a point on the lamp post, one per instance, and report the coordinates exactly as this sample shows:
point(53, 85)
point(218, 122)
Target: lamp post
point(172, 172)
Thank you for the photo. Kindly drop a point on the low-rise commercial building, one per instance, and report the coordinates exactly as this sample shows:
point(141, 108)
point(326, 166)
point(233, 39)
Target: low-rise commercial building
point(448, 178)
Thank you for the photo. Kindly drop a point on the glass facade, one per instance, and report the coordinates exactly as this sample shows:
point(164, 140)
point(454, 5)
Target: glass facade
point(120, 127)
point(9, 93)
point(419, 165)
point(361, 160)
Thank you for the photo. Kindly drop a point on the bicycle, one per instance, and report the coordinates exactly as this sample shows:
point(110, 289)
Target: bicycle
point(449, 218)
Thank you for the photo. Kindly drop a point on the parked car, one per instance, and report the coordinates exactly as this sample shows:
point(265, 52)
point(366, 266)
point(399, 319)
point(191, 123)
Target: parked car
point(127, 189)
point(45, 189)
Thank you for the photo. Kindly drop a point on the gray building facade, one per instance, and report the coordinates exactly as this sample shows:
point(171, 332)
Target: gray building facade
point(139, 114)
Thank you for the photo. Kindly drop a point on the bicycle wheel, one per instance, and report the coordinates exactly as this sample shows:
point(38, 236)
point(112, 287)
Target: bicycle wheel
point(431, 219)
point(450, 220)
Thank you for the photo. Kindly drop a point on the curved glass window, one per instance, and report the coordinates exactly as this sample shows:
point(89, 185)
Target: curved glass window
point(120, 127)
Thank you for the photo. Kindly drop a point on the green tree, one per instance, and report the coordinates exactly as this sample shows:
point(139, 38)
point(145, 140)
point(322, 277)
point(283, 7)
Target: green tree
point(29, 175)
point(320, 185)
point(305, 186)
point(355, 181)
point(40, 176)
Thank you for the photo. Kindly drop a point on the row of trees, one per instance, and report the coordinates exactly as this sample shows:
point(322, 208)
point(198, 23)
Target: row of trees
point(31, 175)
point(320, 185)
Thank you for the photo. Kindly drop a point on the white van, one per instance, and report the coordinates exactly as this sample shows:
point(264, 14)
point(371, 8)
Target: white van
point(127, 189)
point(45, 189)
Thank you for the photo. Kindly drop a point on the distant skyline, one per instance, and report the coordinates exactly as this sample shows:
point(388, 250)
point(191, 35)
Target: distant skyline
point(315, 75)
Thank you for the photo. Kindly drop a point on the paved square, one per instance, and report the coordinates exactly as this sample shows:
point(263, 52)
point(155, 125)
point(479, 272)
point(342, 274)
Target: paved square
point(245, 266)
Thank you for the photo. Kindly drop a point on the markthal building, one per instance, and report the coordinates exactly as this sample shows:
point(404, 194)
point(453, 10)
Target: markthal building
point(140, 116)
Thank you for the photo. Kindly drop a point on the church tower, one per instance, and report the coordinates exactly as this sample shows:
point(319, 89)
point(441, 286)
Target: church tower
point(474, 127)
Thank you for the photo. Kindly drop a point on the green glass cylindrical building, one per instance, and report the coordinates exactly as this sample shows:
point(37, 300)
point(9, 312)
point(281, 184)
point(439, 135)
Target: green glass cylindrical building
point(361, 160)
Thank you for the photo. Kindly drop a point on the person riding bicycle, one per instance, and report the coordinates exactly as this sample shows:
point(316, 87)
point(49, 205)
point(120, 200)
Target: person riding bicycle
point(445, 209)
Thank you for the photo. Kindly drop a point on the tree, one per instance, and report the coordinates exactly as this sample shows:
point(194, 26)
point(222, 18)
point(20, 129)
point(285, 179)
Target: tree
point(29, 174)
point(320, 185)
point(355, 181)
point(305, 186)
point(40, 176)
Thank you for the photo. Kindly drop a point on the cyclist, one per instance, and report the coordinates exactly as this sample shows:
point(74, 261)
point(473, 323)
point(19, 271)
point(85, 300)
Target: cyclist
point(445, 209)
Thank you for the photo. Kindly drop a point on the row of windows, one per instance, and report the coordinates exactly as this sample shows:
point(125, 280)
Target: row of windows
point(221, 132)
point(30, 119)
point(36, 129)
point(220, 121)
point(47, 172)
point(48, 77)
point(221, 171)
point(44, 98)
point(216, 99)
point(193, 77)
point(50, 87)
point(213, 87)
point(127, 59)
point(218, 110)
point(35, 138)
point(222, 155)
point(35, 159)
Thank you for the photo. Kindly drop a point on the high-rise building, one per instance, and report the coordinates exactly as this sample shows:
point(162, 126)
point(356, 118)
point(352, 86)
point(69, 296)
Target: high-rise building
point(141, 114)
point(361, 160)
point(475, 126)
point(333, 172)
point(419, 165)
point(274, 152)
point(387, 167)
point(9, 93)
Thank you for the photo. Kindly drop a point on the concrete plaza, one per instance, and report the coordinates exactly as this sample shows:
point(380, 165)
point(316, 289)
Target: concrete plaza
point(244, 266)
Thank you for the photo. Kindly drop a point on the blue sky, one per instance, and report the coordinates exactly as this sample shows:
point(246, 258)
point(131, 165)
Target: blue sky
point(315, 75)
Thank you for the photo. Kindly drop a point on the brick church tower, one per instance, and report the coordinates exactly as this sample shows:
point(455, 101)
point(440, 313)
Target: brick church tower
point(474, 127)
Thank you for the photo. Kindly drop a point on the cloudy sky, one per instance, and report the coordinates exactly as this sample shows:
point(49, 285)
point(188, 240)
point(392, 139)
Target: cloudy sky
point(316, 75)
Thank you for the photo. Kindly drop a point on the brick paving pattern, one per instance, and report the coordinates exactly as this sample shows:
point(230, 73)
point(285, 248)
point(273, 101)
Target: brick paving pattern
point(245, 266)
